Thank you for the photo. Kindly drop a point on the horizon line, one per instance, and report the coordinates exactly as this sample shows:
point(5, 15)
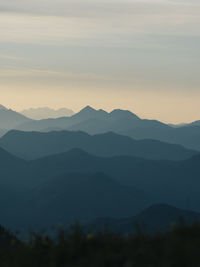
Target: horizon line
point(96, 109)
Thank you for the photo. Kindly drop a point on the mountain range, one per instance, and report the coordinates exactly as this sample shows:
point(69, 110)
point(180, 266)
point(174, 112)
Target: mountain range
point(94, 121)
point(46, 112)
point(86, 120)
point(10, 119)
point(33, 145)
point(37, 196)
point(59, 188)
point(98, 166)
point(175, 183)
point(122, 122)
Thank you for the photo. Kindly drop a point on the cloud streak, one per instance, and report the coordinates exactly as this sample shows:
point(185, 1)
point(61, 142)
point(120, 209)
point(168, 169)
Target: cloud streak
point(96, 7)
point(8, 57)
point(111, 23)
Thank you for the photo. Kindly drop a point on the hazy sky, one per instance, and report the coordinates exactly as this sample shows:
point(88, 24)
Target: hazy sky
point(142, 55)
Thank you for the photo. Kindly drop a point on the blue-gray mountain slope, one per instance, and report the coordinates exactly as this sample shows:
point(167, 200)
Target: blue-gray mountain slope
point(122, 122)
point(33, 145)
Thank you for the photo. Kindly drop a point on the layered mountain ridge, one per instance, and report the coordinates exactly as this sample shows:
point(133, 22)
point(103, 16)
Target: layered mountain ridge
point(94, 168)
point(33, 145)
point(119, 121)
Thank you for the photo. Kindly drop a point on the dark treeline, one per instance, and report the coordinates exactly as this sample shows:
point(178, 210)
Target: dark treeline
point(178, 247)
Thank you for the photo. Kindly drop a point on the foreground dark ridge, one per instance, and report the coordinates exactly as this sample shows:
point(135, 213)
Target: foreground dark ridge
point(177, 248)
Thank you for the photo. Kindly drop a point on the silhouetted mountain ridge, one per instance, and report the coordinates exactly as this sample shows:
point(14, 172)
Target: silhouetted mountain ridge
point(10, 119)
point(122, 122)
point(56, 188)
point(86, 114)
point(174, 183)
point(32, 145)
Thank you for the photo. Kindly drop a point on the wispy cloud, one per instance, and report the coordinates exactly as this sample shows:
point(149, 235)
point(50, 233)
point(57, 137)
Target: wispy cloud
point(94, 8)
point(8, 57)
point(16, 73)
point(91, 22)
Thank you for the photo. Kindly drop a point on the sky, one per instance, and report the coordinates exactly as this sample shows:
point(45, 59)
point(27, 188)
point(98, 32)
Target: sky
point(141, 55)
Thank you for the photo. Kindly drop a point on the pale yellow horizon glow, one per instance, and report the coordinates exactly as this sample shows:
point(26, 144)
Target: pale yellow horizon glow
point(168, 107)
point(141, 55)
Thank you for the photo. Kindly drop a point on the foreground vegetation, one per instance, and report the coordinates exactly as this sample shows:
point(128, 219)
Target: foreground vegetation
point(177, 248)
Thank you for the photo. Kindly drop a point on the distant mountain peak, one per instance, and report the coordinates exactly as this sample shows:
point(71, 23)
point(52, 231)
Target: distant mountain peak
point(123, 113)
point(88, 109)
point(91, 109)
point(118, 113)
point(46, 113)
point(90, 113)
